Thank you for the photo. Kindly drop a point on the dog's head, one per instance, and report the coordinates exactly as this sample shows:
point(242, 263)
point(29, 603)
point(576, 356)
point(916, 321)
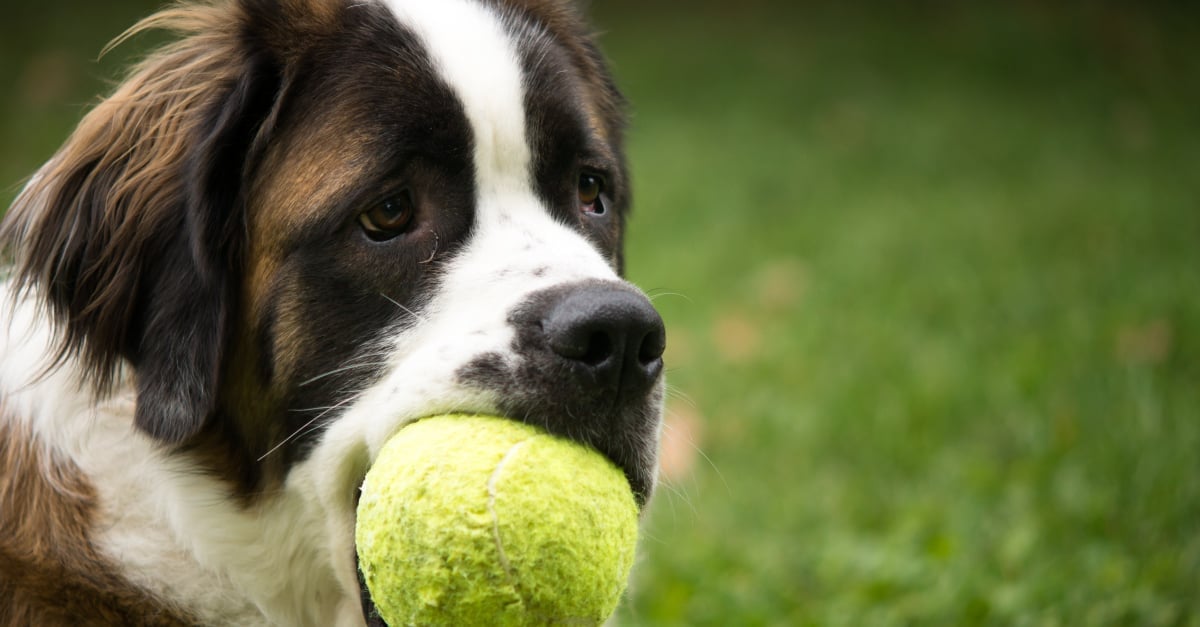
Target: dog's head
point(310, 222)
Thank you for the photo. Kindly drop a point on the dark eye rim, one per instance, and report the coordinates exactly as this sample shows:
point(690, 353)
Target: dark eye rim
point(592, 200)
point(382, 228)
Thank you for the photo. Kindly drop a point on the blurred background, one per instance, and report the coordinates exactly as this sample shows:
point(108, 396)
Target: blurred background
point(931, 274)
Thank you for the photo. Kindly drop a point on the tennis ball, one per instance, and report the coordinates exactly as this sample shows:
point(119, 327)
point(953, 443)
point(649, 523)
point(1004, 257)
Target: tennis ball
point(467, 520)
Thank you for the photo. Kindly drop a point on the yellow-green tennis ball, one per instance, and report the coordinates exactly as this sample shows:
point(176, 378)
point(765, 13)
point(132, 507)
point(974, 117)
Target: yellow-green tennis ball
point(469, 520)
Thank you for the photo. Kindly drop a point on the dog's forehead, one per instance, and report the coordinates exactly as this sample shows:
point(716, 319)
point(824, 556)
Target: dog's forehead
point(491, 69)
point(474, 54)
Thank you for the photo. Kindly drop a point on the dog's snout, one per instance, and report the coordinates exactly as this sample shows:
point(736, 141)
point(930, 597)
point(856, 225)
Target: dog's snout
point(612, 336)
point(586, 364)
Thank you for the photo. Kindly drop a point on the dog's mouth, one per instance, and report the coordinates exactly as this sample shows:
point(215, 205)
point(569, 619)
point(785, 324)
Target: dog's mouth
point(635, 461)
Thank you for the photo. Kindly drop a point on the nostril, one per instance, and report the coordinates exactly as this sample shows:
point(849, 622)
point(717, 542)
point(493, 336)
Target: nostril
point(653, 346)
point(578, 341)
point(599, 349)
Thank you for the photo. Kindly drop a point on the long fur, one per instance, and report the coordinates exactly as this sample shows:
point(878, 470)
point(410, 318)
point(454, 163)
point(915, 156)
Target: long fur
point(119, 230)
point(200, 350)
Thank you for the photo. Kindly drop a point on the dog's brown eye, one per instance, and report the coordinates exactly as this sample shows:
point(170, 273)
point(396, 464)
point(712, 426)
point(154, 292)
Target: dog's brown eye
point(390, 217)
point(590, 188)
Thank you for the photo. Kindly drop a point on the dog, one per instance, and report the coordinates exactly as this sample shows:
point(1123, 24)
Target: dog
point(299, 227)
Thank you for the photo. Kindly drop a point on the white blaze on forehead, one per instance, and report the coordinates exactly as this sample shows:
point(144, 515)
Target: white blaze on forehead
point(474, 54)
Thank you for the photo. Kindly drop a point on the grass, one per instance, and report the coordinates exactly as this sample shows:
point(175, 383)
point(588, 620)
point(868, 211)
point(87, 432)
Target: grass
point(932, 284)
point(938, 327)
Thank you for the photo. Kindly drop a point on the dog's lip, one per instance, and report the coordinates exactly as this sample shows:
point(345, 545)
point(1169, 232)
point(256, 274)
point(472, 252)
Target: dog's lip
point(370, 613)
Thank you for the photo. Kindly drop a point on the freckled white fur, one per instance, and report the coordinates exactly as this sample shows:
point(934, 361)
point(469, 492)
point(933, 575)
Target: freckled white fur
point(289, 560)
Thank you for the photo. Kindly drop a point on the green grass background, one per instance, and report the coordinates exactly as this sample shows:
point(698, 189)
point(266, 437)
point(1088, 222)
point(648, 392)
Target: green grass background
point(931, 276)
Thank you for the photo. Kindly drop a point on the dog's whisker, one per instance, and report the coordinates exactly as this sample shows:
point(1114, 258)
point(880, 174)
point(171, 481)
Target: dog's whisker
point(655, 294)
point(713, 465)
point(677, 393)
point(346, 368)
point(288, 439)
point(676, 491)
point(297, 432)
point(403, 308)
point(307, 430)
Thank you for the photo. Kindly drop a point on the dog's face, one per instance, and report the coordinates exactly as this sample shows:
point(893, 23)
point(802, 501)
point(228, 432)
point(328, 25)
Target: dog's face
point(446, 236)
point(411, 232)
point(311, 222)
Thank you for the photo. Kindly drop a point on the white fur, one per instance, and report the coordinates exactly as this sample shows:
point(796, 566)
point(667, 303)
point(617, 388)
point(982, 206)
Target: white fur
point(289, 560)
point(478, 60)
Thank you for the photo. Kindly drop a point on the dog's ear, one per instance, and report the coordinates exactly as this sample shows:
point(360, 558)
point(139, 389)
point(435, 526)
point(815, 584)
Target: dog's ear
point(132, 232)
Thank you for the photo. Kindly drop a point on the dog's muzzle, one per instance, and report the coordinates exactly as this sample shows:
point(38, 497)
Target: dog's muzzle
point(588, 366)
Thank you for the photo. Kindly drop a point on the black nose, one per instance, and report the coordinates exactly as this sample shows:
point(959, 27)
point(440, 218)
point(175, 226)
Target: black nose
point(610, 335)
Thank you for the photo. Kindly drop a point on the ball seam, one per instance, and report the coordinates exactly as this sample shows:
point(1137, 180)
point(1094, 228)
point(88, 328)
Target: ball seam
point(491, 487)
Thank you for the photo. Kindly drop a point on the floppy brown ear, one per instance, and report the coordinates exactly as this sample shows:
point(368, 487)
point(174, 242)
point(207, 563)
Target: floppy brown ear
point(131, 233)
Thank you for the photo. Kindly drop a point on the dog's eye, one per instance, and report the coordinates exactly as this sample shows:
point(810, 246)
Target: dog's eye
point(390, 217)
point(590, 188)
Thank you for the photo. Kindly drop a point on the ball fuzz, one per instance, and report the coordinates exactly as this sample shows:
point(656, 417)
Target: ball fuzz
point(467, 520)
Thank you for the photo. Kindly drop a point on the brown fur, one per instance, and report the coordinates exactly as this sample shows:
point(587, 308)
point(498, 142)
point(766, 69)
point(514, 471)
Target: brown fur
point(120, 169)
point(50, 573)
point(134, 233)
